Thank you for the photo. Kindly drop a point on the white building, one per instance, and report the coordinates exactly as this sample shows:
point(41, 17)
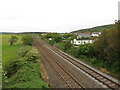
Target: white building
point(96, 34)
point(81, 41)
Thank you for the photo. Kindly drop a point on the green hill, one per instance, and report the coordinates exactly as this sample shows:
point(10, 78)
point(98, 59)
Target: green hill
point(94, 29)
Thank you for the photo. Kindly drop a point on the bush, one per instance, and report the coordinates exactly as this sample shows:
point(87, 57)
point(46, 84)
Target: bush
point(74, 52)
point(24, 50)
point(32, 55)
point(51, 42)
point(93, 60)
point(60, 45)
point(14, 66)
point(27, 40)
point(87, 49)
point(67, 46)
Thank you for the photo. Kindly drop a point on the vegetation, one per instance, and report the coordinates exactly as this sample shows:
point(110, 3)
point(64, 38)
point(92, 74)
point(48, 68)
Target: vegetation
point(28, 76)
point(27, 39)
point(20, 68)
point(24, 72)
point(107, 47)
point(24, 50)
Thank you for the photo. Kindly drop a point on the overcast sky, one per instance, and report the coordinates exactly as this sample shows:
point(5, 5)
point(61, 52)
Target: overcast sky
point(55, 15)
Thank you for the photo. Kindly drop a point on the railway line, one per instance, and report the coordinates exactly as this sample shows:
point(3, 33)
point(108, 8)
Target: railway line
point(70, 81)
point(65, 75)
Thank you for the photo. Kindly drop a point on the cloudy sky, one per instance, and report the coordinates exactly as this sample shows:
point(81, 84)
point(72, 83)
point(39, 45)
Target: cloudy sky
point(55, 15)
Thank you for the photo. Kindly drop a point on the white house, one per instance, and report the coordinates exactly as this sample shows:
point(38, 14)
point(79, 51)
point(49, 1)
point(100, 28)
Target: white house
point(81, 41)
point(95, 34)
point(50, 38)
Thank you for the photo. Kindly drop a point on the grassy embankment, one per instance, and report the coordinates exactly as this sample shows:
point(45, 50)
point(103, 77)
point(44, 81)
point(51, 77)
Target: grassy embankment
point(19, 71)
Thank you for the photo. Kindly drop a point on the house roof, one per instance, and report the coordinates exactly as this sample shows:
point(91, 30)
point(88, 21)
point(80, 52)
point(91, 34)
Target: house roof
point(84, 39)
point(84, 35)
point(95, 32)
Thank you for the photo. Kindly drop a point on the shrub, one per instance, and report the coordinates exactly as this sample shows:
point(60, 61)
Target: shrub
point(14, 66)
point(24, 50)
point(51, 42)
point(32, 55)
point(27, 40)
point(87, 49)
point(93, 60)
point(67, 45)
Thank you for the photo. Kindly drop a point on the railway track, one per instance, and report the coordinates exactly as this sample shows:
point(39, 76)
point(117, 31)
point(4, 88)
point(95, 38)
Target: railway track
point(101, 78)
point(65, 75)
point(97, 76)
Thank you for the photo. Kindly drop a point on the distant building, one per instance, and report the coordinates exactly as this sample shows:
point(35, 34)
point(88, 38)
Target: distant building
point(43, 34)
point(83, 35)
point(95, 34)
point(81, 41)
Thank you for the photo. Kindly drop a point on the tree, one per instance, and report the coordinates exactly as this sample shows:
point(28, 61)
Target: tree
point(74, 52)
point(13, 39)
point(57, 38)
point(67, 46)
point(27, 39)
point(101, 44)
point(108, 47)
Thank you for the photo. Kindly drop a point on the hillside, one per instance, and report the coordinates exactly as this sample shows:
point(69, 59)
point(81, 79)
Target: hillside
point(94, 29)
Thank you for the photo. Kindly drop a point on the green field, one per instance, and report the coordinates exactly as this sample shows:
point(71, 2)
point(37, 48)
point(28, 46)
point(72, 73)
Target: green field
point(9, 51)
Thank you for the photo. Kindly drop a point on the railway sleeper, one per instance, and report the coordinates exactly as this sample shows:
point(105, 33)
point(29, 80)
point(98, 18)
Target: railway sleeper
point(103, 80)
point(107, 82)
point(99, 77)
point(96, 75)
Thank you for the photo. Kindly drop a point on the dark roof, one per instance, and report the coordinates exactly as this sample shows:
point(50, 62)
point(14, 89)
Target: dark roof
point(95, 32)
point(84, 35)
point(84, 39)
